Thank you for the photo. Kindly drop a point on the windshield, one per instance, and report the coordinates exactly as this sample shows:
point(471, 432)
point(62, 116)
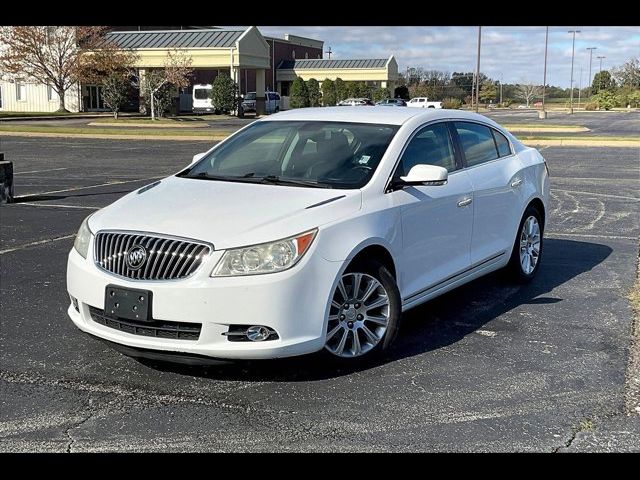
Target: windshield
point(201, 93)
point(250, 96)
point(305, 153)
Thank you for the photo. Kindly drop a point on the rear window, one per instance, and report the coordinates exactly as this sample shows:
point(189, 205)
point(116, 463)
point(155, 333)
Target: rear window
point(201, 93)
point(504, 149)
point(250, 96)
point(477, 143)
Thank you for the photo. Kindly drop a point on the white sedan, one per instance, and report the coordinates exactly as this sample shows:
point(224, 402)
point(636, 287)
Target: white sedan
point(310, 230)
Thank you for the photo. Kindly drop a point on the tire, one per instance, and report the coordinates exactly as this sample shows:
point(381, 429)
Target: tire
point(359, 332)
point(519, 266)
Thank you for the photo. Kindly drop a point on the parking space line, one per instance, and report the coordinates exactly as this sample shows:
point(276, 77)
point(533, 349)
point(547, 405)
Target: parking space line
point(91, 186)
point(31, 204)
point(40, 171)
point(590, 235)
point(33, 244)
point(598, 194)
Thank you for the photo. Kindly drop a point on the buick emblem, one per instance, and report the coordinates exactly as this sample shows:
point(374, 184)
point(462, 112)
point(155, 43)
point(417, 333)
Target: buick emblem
point(135, 257)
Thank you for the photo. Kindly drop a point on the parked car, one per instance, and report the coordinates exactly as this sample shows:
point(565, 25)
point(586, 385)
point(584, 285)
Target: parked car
point(307, 230)
point(271, 102)
point(392, 102)
point(202, 98)
point(355, 102)
point(423, 102)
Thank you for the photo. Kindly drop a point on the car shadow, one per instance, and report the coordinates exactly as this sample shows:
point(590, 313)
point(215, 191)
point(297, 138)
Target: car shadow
point(433, 325)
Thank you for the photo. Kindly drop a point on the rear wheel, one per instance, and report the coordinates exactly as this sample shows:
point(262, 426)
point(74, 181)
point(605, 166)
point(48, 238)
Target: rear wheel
point(527, 249)
point(365, 312)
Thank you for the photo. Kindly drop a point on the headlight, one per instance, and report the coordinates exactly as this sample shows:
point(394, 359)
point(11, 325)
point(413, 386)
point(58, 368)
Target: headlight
point(83, 237)
point(264, 258)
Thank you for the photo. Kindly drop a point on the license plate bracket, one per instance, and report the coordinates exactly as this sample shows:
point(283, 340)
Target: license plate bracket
point(128, 303)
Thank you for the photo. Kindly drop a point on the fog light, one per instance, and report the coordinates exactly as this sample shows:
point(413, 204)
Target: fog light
point(258, 333)
point(74, 301)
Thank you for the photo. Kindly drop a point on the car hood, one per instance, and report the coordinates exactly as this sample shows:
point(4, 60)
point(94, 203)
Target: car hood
point(227, 214)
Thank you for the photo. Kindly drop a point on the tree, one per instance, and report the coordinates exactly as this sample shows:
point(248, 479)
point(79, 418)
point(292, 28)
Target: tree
point(602, 81)
point(605, 99)
point(223, 93)
point(176, 73)
point(299, 94)
point(341, 90)
point(328, 93)
point(528, 91)
point(50, 54)
point(488, 91)
point(313, 90)
point(401, 92)
point(628, 75)
point(418, 90)
point(115, 91)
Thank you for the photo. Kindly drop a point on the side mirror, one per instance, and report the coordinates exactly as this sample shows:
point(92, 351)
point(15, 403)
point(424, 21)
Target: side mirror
point(197, 157)
point(426, 175)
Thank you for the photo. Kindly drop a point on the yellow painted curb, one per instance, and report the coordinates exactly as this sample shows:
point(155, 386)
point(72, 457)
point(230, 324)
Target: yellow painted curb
point(560, 142)
point(146, 125)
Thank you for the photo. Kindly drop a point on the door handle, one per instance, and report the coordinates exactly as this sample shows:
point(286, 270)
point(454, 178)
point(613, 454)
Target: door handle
point(465, 202)
point(516, 183)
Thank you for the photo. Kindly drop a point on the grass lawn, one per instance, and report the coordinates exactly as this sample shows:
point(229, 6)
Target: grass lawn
point(4, 114)
point(125, 120)
point(109, 131)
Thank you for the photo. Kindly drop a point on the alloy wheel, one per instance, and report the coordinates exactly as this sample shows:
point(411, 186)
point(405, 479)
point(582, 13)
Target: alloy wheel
point(529, 245)
point(358, 317)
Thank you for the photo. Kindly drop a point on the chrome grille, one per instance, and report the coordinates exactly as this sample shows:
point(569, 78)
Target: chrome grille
point(167, 258)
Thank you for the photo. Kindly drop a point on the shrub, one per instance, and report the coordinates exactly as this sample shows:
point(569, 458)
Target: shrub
point(299, 94)
point(380, 94)
point(341, 89)
point(591, 106)
point(313, 89)
point(223, 93)
point(328, 93)
point(605, 99)
point(453, 103)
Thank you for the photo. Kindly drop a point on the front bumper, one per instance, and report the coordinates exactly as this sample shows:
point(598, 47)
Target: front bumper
point(294, 303)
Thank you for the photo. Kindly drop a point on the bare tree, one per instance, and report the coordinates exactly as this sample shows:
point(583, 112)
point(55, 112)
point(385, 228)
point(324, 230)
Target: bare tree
point(528, 91)
point(49, 55)
point(177, 73)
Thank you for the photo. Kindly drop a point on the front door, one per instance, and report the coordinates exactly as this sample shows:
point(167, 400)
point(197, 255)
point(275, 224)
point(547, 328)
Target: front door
point(436, 220)
point(95, 98)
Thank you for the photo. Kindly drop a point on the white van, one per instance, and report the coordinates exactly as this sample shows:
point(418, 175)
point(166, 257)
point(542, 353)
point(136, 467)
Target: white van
point(202, 98)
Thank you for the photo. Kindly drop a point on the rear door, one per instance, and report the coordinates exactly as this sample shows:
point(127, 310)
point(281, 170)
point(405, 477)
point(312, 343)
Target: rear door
point(494, 173)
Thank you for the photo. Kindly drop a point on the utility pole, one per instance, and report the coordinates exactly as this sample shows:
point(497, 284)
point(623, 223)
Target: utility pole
point(573, 50)
point(543, 113)
point(591, 49)
point(600, 71)
point(579, 86)
point(478, 70)
point(329, 52)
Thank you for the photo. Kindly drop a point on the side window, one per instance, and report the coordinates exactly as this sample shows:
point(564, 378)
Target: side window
point(477, 143)
point(431, 146)
point(503, 144)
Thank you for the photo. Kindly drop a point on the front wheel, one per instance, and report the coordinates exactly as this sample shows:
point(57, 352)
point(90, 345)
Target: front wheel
point(527, 249)
point(365, 312)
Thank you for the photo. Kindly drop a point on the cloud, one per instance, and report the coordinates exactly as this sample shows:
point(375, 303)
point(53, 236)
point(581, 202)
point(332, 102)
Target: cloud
point(510, 53)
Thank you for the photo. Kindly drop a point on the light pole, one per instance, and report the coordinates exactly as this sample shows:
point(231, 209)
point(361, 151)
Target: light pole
point(543, 113)
point(591, 49)
point(601, 57)
point(579, 86)
point(573, 50)
point(600, 72)
point(478, 70)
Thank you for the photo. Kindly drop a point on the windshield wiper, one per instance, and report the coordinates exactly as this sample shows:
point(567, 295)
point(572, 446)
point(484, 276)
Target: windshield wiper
point(276, 180)
point(223, 178)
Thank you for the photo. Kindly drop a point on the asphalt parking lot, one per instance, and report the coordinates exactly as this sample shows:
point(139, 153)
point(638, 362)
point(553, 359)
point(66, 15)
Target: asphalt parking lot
point(487, 367)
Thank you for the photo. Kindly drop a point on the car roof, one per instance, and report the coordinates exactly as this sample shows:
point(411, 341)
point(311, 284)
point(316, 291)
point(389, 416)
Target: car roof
point(392, 116)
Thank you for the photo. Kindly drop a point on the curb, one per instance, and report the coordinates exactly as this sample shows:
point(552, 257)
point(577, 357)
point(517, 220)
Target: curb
point(147, 125)
point(109, 136)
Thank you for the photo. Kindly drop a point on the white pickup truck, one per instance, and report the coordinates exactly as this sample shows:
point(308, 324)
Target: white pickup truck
point(423, 102)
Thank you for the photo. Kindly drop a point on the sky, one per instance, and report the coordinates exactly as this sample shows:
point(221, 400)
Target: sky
point(509, 54)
